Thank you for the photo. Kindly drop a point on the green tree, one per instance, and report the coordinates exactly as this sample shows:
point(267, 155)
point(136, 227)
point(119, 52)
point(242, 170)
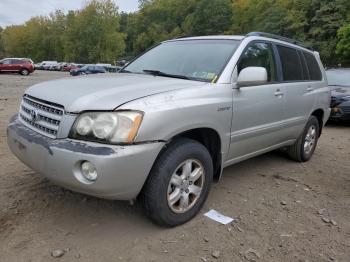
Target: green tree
point(343, 46)
point(326, 19)
point(2, 50)
point(93, 33)
point(98, 32)
point(212, 17)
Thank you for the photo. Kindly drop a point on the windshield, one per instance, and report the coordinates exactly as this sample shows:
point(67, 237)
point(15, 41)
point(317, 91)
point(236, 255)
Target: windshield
point(201, 60)
point(339, 77)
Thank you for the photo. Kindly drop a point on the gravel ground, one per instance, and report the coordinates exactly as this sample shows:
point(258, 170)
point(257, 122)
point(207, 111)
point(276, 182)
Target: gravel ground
point(284, 211)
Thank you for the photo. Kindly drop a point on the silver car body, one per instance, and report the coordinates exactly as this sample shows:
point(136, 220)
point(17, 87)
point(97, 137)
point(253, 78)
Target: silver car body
point(249, 121)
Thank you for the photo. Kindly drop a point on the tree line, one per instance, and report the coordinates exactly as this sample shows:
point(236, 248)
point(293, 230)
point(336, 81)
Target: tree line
point(99, 32)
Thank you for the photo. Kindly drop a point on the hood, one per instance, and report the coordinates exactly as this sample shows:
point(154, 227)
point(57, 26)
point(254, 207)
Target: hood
point(340, 91)
point(101, 92)
point(340, 95)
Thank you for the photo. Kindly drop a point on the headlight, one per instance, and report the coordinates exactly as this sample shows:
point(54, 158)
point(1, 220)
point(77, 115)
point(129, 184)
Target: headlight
point(110, 127)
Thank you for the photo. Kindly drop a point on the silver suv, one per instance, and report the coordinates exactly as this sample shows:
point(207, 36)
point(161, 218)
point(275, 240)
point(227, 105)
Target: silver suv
point(163, 129)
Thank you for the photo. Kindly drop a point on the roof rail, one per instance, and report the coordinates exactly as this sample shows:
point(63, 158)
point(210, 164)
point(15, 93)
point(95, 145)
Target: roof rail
point(282, 38)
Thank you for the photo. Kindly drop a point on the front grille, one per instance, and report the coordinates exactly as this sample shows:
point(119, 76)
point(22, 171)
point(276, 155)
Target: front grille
point(346, 109)
point(41, 116)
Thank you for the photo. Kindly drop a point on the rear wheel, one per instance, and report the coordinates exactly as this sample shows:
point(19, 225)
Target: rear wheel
point(178, 184)
point(24, 72)
point(305, 146)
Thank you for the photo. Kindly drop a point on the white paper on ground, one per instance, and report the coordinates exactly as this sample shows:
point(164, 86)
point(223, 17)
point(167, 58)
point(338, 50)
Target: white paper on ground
point(215, 215)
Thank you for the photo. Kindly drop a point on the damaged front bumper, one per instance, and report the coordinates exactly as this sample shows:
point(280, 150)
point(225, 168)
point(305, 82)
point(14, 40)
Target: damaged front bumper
point(122, 170)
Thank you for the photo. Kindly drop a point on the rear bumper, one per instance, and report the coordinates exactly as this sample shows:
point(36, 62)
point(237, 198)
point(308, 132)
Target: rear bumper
point(122, 170)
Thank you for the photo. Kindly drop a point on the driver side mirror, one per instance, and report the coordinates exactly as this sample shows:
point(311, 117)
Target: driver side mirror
point(251, 76)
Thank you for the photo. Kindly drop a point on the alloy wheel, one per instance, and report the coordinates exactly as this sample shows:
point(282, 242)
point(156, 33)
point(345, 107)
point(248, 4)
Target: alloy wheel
point(185, 186)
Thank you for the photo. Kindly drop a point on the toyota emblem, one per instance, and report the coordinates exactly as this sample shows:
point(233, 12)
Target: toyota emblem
point(33, 115)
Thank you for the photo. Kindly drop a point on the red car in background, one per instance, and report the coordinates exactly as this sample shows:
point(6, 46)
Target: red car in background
point(69, 67)
point(17, 65)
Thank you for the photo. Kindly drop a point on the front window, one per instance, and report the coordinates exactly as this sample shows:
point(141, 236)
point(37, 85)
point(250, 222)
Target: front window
point(261, 55)
point(201, 60)
point(6, 62)
point(338, 77)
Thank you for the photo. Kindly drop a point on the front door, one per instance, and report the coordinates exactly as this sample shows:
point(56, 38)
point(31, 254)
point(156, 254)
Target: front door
point(6, 65)
point(258, 111)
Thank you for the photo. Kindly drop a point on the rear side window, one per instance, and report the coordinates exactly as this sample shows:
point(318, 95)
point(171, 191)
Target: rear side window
point(314, 69)
point(291, 65)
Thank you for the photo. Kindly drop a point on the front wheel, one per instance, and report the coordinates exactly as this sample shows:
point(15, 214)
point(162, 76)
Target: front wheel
point(178, 184)
point(305, 146)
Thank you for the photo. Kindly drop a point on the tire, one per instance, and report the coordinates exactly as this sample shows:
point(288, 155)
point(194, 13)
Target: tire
point(160, 186)
point(300, 152)
point(24, 72)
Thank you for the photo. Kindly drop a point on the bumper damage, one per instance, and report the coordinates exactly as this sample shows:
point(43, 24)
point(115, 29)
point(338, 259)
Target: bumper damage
point(122, 170)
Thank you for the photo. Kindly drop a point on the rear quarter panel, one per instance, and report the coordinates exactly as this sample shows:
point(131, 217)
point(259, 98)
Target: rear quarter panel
point(323, 98)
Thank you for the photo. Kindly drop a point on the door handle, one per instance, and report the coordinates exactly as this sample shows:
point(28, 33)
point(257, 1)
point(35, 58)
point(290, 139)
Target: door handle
point(279, 93)
point(309, 89)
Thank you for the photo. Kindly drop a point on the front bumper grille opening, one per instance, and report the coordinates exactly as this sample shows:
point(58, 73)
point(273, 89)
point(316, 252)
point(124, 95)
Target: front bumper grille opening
point(42, 128)
point(41, 116)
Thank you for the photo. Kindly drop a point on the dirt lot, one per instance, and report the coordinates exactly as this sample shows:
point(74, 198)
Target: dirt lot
point(284, 211)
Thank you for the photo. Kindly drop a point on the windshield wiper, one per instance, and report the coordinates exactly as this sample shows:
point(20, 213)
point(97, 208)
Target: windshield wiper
point(339, 85)
point(124, 71)
point(160, 73)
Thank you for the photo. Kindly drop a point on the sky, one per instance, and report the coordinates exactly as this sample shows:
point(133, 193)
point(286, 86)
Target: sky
point(19, 11)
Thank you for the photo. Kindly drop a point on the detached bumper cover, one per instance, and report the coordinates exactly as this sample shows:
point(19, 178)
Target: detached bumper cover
point(122, 170)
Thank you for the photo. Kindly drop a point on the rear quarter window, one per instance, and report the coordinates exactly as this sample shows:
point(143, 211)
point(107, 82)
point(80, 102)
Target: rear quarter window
point(291, 65)
point(314, 69)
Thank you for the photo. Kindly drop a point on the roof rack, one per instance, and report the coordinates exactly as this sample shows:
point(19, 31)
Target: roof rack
point(282, 38)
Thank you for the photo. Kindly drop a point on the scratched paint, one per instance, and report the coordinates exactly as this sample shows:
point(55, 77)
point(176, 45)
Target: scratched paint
point(49, 144)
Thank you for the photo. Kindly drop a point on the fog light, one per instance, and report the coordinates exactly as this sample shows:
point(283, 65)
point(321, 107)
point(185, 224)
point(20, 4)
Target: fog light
point(89, 171)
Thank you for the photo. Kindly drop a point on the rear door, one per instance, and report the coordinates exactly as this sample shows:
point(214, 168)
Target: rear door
point(258, 110)
point(300, 96)
point(16, 65)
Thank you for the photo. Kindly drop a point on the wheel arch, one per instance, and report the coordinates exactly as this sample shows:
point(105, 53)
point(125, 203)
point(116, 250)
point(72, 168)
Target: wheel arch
point(319, 114)
point(210, 138)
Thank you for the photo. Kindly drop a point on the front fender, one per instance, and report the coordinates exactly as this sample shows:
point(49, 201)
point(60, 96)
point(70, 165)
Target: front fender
point(171, 113)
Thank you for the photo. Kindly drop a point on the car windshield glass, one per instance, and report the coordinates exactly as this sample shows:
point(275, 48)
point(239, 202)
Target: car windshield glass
point(338, 77)
point(201, 60)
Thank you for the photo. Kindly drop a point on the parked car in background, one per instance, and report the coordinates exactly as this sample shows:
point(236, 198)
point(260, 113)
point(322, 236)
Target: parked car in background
point(17, 65)
point(163, 129)
point(59, 66)
point(39, 66)
point(68, 67)
point(113, 69)
point(339, 82)
point(87, 70)
point(46, 65)
point(104, 65)
point(123, 62)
